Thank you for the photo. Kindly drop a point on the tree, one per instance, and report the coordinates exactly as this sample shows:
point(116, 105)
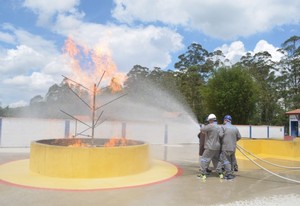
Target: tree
point(262, 68)
point(36, 99)
point(290, 72)
point(4, 111)
point(194, 69)
point(231, 91)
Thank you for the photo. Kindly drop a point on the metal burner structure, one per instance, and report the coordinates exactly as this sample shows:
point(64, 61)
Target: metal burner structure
point(93, 108)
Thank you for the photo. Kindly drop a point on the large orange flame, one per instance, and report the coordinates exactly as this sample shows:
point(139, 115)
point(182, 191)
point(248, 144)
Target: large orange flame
point(88, 65)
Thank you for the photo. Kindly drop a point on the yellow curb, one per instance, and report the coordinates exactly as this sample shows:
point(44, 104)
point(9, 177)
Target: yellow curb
point(18, 173)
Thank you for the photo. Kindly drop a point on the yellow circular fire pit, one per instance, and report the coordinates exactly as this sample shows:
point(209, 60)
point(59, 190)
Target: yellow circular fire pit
point(77, 158)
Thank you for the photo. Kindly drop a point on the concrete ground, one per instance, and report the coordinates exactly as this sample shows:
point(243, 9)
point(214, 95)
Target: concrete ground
point(252, 185)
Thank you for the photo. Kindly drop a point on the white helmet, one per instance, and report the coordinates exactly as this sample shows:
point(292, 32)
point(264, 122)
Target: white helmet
point(211, 117)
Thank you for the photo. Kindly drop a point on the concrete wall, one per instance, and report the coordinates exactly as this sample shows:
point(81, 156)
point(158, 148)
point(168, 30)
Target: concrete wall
point(19, 132)
point(271, 147)
point(261, 132)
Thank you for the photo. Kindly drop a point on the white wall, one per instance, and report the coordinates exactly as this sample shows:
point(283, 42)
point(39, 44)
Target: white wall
point(19, 132)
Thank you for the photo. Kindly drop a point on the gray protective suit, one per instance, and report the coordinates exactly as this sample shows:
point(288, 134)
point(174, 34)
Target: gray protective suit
point(212, 146)
point(230, 136)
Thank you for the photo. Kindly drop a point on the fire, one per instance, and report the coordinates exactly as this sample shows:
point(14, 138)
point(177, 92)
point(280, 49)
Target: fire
point(114, 142)
point(115, 85)
point(89, 64)
point(78, 143)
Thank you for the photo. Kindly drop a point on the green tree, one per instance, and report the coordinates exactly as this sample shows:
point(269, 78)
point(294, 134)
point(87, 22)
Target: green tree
point(262, 68)
point(290, 73)
point(195, 67)
point(4, 111)
point(231, 91)
point(137, 83)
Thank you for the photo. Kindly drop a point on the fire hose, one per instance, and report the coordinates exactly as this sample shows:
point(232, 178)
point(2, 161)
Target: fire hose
point(276, 165)
point(265, 169)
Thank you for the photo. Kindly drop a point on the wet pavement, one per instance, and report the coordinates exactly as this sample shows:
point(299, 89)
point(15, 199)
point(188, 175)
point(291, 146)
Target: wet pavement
point(252, 185)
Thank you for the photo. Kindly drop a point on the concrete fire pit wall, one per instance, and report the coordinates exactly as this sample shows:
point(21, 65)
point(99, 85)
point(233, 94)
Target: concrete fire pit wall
point(88, 162)
point(290, 149)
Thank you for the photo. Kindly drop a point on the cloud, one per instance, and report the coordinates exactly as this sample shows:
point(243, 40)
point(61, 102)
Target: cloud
point(7, 38)
point(148, 46)
point(233, 52)
point(222, 19)
point(236, 50)
point(23, 87)
point(36, 42)
point(30, 68)
point(263, 45)
point(37, 81)
point(46, 9)
point(20, 60)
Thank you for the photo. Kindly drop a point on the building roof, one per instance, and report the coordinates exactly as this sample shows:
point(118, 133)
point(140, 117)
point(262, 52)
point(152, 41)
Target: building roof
point(296, 111)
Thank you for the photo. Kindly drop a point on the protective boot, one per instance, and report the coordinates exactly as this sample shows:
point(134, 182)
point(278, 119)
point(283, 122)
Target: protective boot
point(229, 177)
point(202, 176)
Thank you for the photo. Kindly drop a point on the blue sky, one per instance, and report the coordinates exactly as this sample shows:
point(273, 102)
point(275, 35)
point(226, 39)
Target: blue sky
point(146, 32)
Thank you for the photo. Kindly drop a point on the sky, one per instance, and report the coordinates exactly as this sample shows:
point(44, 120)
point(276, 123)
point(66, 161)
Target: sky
point(150, 33)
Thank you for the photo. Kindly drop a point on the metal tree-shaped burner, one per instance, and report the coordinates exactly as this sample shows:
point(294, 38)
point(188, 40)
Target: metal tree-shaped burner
point(93, 108)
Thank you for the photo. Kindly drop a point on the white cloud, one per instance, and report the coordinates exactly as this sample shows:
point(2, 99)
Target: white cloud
point(263, 45)
point(236, 50)
point(20, 60)
point(224, 19)
point(30, 68)
point(57, 65)
point(7, 38)
point(148, 46)
point(126, 43)
point(129, 11)
point(36, 42)
point(45, 9)
point(36, 80)
point(20, 103)
point(24, 87)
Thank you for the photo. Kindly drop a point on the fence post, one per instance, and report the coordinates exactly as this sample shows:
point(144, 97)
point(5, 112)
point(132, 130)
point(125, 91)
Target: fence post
point(268, 132)
point(123, 129)
point(67, 128)
point(250, 131)
point(0, 129)
point(166, 142)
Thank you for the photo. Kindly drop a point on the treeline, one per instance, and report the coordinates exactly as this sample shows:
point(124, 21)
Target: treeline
point(255, 90)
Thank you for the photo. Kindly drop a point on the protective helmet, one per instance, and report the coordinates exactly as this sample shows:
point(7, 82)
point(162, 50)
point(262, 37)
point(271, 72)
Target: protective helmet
point(211, 117)
point(228, 118)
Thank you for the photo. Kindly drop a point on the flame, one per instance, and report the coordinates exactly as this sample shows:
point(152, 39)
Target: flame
point(89, 64)
point(78, 143)
point(115, 85)
point(114, 142)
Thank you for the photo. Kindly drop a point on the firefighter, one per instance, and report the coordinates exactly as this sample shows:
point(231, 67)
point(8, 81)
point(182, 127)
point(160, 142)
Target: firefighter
point(230, 136)
point(212, 145)
point(201, 137)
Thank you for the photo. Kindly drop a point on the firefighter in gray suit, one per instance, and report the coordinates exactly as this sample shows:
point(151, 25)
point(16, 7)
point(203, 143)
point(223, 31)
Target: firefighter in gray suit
point(228, 141)
point(212, 144)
